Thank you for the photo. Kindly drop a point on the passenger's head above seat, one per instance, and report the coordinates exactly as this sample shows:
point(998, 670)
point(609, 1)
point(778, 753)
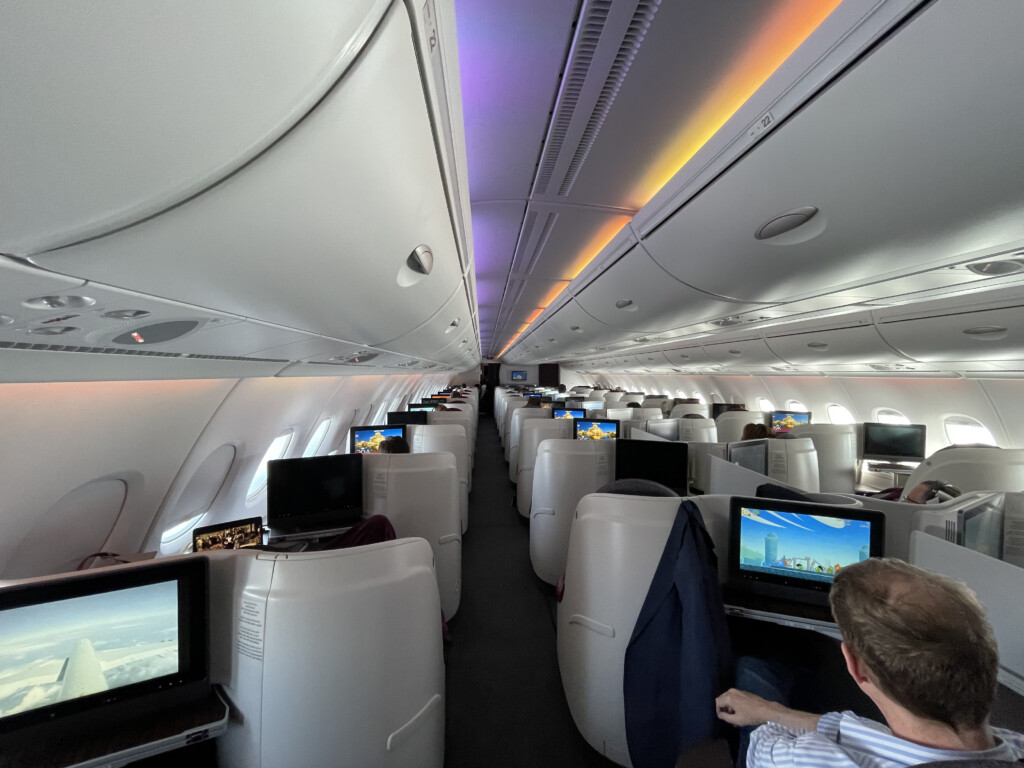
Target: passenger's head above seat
point(754, 432)
point(394, 444)
point(923, 637)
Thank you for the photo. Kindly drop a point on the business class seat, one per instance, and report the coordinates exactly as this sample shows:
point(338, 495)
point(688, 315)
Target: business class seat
point(531, 435)
point(614, 550)
point(836, 445)
point(698, 430)
point(466, 420)
point(448, 438)
point(731, 423)
point(519, 418)
point(663, 404)
point(650, 414)
point(581, 390)
point(611, 398)
point(419, 494)
point(681, 409)
point(565, 471)
point(330, 659)
point(794, 462)
point(973, 468)
point(512, 405)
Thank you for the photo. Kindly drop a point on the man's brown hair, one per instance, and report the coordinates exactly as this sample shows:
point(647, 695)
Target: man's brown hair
point(924, 638)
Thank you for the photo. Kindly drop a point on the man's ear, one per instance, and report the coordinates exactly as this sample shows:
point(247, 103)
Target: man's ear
point(854, 665)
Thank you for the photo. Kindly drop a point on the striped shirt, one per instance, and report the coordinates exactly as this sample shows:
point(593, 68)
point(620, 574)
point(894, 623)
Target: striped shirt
point(844, 740)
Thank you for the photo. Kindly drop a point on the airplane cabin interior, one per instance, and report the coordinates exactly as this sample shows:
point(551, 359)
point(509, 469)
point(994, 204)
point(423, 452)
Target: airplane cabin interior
point(365, 364)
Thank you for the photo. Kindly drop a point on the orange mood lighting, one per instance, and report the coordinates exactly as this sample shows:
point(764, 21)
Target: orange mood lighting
point(775, 42)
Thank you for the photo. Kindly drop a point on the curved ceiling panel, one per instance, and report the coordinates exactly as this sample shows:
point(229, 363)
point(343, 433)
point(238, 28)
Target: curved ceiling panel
point(901, 180)
point(316, 234)
point(81, 154)
point(638, 295)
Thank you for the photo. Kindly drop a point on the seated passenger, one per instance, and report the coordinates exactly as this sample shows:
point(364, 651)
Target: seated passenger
point(394, 444)
point(919, 646)
point(533, 402)
point(754, 431)
point(633, 405)
point(929, 490)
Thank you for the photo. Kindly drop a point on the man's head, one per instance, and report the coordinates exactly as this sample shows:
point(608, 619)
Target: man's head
point(533, 402)
point(924, 639)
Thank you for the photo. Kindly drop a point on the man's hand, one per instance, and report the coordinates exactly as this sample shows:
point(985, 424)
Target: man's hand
point(741, 708)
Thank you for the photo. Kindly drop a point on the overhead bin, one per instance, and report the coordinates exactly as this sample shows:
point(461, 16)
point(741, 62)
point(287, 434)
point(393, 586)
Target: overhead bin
point(991, 334)
point(742, 352)
point(102, 127)
point(832, 343)
point(899, 180)
point(452, 322)
point(322, 232)
point(572, 327)
point(692, 356)
point(637, 295)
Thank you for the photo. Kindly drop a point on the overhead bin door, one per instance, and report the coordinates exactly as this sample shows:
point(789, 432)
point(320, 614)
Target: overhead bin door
point(115, 109)
point(992, 334)
point(317, 233)
point(638, 295)
point(828, 345)
point(913, 156)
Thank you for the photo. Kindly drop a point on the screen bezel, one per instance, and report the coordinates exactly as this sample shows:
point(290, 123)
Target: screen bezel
point(352, 434)
point(795, 586)
point(191, 574)
point(760, 441)
point(197, 532)
point(406, 418)
point(681, 451)
point(773, 414)
point(575, 427)
point(871, 426)
point(278, 499)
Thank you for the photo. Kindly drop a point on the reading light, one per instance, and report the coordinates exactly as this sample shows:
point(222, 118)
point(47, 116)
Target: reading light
point(52, 330)
point(126, 314)
point(997, 268)
point(59, 302)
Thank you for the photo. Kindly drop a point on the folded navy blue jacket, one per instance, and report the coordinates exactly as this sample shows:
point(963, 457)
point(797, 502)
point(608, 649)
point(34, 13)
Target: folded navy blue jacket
point(678, 658)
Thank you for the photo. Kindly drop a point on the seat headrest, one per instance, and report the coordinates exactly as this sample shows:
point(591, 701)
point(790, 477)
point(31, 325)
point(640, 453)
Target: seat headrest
point(631, 486)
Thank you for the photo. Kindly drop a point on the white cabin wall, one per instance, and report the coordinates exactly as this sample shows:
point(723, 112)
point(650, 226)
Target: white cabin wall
point(59, 437)
point(571, 378)
point(296, 405)
point(151, 438)
point(993, 402)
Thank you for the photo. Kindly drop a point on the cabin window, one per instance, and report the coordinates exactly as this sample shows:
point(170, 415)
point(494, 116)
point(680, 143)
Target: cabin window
point(838, 414)
point(177, 530)
point(764, 404)
point(890, 416)
point(700, 398)
point(276, 450)
point(316, 439)
point(964, 430)
point(796, 405)
point(716, 398)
